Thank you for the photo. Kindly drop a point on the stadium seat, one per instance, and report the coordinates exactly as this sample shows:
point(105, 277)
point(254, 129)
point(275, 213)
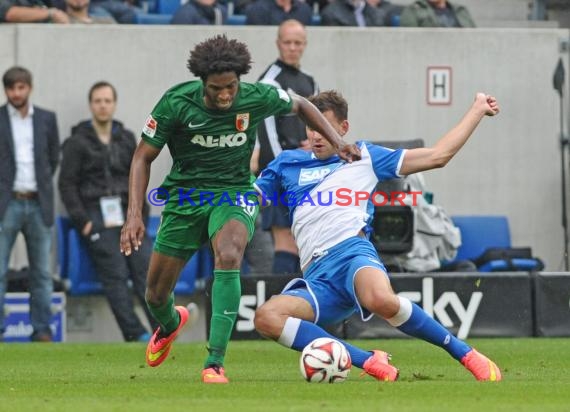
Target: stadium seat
point(479, 233)
point(395, 20)
point(236, 20)
point(80, 271)
point(63, 225)
point(486, 241)
point(152, 226)
point(504, 265)
point(168, 7)
point(77, 270)
point(316, 20)
point(150, 18)
point(394, 15)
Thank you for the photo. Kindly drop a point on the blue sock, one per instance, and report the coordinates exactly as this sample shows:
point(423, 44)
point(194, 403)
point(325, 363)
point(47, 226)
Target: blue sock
point(413, 321)
point(299, 333)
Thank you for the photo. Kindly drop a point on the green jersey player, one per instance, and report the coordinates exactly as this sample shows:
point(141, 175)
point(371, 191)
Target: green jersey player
point(209, 127)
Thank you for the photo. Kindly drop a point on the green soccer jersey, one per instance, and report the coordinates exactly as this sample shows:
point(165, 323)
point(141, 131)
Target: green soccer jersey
point(211, 149)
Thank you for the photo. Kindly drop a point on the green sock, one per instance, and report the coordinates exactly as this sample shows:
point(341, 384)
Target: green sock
point(166, 315)
point(226, 293)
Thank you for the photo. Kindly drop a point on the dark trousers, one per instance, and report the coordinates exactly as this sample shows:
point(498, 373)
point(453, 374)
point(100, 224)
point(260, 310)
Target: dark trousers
point(115, 270)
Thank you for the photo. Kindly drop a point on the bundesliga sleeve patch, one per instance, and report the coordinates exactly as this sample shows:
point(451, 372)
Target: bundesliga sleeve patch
point(283, 95)
point(150, 126)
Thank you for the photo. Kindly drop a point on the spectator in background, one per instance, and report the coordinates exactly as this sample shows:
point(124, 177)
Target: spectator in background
point(124, 12)
point(30, 11)
point(201, 12)
point(93, 184)
point(352, 13)
point(29, 155)
point(239, 6)
point(388, 10)
point(78, 12)
point(93, 11)
point(435, 13)
point(274, 12)
point(318, 5)
point(278, 133)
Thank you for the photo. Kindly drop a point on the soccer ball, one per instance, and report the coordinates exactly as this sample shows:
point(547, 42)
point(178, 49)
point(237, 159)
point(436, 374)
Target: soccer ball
point(325, 360)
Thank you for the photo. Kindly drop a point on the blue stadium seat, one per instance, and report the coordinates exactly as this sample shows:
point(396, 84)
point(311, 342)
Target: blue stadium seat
point(63, 225)
point(77, 268)
point(187, 280)
point(502, 265)
point(486, 236)
point(150, 18)
point(167, 6)
point(478, 233)
point(316, 20)
point(152, 226)
point(80, 271)
point(395, 20)
point(236, 20)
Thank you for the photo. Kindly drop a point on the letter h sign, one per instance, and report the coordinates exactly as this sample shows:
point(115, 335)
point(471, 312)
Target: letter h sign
point(438, 85)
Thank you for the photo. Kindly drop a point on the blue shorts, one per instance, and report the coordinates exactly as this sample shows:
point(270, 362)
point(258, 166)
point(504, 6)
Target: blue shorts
point(328, 283)
point(275, 215)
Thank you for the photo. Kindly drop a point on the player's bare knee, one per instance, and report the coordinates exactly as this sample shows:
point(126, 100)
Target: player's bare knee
point(383, 303)
point(265, 322)
point(260, 320)
point(228, 258)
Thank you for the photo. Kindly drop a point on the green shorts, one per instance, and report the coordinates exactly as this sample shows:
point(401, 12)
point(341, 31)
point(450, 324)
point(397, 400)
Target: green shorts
point(181, 234)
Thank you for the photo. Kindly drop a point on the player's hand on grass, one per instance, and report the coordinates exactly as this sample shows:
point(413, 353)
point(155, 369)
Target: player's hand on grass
point(132, 235)
point(349, 152)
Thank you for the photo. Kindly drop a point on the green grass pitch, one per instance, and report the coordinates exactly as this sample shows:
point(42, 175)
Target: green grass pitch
point(265, 377)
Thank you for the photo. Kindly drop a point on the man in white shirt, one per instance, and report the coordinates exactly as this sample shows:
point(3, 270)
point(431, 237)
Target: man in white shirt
point(29, 155)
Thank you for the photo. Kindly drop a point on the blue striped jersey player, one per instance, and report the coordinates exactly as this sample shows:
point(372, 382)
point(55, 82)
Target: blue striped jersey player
point(342, 272)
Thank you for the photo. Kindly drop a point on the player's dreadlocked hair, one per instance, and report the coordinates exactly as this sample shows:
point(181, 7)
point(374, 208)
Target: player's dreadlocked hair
point(333, 101)
point(219, 55)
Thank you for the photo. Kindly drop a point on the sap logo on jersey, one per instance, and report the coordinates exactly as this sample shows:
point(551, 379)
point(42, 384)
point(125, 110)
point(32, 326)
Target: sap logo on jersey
point(225, 140)
point(314, 174)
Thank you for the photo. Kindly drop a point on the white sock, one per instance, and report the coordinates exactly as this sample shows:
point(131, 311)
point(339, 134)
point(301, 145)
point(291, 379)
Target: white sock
point(403, 314)
point(289, 332)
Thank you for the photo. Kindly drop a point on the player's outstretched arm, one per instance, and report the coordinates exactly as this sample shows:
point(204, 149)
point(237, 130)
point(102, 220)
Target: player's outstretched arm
point(418, 160)
point(133, 230)
point(316, 121)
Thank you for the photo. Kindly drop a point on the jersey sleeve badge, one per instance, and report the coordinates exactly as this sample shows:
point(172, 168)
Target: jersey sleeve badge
point(242, 121)
point(150, 126)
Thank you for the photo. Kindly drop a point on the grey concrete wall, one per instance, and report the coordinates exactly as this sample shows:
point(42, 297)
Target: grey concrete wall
point(7, 48)
point(510, 167)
